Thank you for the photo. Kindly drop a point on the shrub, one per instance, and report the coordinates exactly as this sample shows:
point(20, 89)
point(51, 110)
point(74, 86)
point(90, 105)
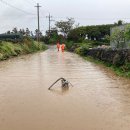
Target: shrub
point(8, 49)
point(82, 50)
point(126, 67)
point(69, 44)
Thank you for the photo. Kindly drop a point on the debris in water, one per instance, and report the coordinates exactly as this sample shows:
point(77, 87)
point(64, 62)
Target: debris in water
point(64, 83)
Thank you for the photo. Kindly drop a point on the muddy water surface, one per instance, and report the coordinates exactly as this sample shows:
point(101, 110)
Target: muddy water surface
point(99, 100)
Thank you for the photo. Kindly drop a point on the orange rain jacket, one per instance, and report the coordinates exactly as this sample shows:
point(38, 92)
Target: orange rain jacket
point(58, 45)
point(63, 47)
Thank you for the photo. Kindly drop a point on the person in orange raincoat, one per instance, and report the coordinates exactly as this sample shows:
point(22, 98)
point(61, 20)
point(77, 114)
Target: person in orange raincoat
point(63, 47)
point(58, 45)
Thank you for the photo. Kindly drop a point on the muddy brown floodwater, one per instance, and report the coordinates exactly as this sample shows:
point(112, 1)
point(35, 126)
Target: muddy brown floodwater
point(99, 100)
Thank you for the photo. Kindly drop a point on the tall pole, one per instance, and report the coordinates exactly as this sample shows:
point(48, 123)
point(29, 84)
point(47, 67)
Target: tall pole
point(49, 17)
point(49, 23)
point(38, 6)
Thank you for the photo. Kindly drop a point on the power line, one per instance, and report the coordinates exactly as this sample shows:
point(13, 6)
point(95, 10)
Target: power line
point(16, 8)
point(27, 1)
point(30, 2)
point(34, 1)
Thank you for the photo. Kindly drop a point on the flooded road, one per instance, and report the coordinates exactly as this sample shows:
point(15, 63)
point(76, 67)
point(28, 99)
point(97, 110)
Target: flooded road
point(99, 100)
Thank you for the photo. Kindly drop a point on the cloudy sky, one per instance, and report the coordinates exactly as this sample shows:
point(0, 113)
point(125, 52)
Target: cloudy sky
point(22, 13)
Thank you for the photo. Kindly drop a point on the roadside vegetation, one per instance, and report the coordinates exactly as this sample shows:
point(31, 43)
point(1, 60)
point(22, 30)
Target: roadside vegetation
point(19, 42)
point(123, 70)
point(10, 49)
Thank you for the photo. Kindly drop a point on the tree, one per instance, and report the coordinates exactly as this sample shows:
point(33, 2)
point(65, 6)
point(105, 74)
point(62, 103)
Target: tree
point(36, 33)
point(107, 39)
point(77, 34)
point(8, 32)
point(65, 26)
point(120, 22)
point(15, 30)
point(52, 32)
point(22, 32)
point(127, 32)
point(118, 38)
point(27, 32)
point(97, 32)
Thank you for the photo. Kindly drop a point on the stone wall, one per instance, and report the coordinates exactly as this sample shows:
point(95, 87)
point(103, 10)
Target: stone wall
point(115, 57)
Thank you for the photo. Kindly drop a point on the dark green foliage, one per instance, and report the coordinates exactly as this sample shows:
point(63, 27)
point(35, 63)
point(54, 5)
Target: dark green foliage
point(15, 38)
point(126, 67)
point(45, 39)
point(77, 35)
point(52, 38)
point(98, 33)
point(69, 45)
point(74, 36)
point(120, 22)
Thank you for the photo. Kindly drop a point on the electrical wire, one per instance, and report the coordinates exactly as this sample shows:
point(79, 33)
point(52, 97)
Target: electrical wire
point(31, 2)
point(27, 1)
point(57, 17)
point(16, 8)
point(34, 1)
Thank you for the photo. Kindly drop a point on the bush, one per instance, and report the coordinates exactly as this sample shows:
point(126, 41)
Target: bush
point(82, 50)
point(8, 49)
point(126, 67)
point(69, 44)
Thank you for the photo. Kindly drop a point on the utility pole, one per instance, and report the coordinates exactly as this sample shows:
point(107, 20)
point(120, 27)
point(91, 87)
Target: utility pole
point(49, 17)
point(38, 6)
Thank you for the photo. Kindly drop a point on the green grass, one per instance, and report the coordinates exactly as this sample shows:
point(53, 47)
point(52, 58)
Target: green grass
point(123, 71)
point(8, 49)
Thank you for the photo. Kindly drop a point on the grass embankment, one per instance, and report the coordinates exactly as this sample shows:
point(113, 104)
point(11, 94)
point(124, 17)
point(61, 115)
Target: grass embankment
point(8, 49)
point(82, 48)
point(123, 71)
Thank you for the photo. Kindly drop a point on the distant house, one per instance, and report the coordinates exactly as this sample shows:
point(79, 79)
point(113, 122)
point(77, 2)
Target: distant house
point(120, 40)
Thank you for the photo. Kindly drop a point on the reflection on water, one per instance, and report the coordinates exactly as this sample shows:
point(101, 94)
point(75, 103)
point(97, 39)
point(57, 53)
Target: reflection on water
point(99, 100)
point(61, 91)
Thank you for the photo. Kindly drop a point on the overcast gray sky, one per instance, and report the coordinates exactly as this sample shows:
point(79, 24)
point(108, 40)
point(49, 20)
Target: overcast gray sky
point(85, 12)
